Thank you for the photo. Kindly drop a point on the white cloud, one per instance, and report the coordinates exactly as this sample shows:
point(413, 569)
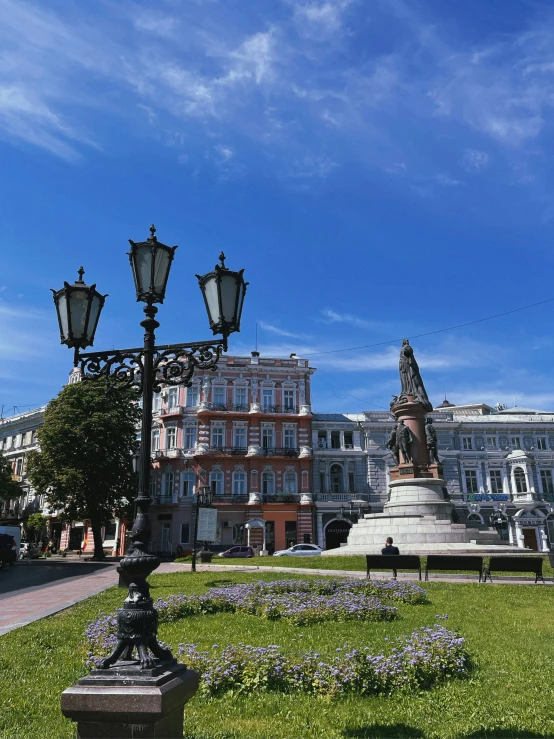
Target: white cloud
point(279, 331)
point(225, 152)
point(320, 19)
point(475, 161)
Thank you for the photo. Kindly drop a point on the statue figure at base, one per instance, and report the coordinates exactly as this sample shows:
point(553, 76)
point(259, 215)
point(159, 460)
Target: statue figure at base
point(404, 440)
point(431, 435)
point(392, 445)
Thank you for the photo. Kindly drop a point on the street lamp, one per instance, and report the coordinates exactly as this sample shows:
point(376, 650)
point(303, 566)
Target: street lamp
point(204, 498)
point(145, 370)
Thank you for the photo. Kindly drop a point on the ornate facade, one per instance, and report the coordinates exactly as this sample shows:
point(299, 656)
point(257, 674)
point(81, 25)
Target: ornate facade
point(243, 430)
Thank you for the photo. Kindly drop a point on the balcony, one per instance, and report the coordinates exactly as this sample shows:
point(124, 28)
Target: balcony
point(171, 453)
point(339, 497)
point(233, 451)
point(230, 499)
point(280, 452)
point(176, 410)
point(288, 409)
point(245, 408)
point(280, 498)
point(165, 499)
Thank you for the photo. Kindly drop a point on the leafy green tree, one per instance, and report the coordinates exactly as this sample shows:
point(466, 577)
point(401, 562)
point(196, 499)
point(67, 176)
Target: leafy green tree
point(8, 488)
point(84, 466)
point(34, 526)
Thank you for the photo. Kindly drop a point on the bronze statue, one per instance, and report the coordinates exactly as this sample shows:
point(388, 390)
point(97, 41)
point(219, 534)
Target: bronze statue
point(410, 378)
point(431, 435)
point(392, 444)
point(404, 439)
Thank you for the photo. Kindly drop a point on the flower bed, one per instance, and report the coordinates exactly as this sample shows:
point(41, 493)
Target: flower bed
point(427, 656)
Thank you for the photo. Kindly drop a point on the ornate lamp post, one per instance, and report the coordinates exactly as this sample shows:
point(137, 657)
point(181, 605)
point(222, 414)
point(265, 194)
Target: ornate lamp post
point(145, 369)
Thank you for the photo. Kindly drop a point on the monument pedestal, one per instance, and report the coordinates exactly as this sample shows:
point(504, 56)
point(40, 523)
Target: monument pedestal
point(125, 702)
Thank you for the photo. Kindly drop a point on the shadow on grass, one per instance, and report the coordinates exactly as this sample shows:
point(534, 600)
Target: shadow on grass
point(383, 731)
point(218, 583)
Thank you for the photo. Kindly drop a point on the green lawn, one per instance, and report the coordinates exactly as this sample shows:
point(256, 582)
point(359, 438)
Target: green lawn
point(351, 562)
point(508, 631)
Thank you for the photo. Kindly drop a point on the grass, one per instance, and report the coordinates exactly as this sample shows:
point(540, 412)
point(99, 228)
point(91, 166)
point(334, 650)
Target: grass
point(507, 629)
point(349, 562)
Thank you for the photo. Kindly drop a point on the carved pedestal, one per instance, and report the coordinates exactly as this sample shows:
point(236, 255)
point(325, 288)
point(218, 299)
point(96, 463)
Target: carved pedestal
point(127, 702)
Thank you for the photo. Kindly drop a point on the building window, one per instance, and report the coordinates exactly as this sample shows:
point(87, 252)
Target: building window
point(268, 438)
point(491, 443)
point(172, 397)
point(219, 397)
point(185, 533)
point(288, 400)
point(520, 481)
point(289, 438)
point(291, 485)
point(216, 482)
point(190, 437)
point(240, 398)
point(19, 466)
point(155, 440)
point(153, 485)
point(516, 442)
point(167, 487)
point(239, 437)
point(496, 481)
point(471, 482)
point(217, 436)
point(336, 478)
point(348, 440)
point(541, 442)
point(239, 483)
point(351, 484)
point(546, 479)
point(189, 481)
point(268, 483)
point(322, 485)
point(171, 437)
point(156, 402)
point(192, 396)
point(335, 439)
point(467, 443)
point(267, 399)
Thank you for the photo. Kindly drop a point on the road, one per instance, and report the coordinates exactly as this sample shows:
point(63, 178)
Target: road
point(37, 574)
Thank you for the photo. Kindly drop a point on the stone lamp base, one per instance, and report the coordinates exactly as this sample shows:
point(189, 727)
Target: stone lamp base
point(125, 702)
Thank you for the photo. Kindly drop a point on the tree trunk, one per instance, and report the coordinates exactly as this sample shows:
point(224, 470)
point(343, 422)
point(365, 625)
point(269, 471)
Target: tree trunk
point(96, 527)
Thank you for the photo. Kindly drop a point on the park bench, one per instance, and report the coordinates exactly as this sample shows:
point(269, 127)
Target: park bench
point(392, 562)
point(529, 565)
point(446, 562)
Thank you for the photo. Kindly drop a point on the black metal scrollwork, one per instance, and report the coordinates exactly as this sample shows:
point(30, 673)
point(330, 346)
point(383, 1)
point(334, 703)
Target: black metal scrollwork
point(173, 364)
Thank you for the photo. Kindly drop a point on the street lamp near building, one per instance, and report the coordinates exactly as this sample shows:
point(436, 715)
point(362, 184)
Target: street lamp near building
point(146, 369)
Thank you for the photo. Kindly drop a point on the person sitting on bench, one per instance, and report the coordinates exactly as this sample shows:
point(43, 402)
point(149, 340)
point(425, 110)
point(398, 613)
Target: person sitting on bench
point(388, 549)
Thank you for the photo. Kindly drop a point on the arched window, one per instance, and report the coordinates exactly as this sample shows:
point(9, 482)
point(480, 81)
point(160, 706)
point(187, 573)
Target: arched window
point(268, 483)
point(336, 478)
point(239, 483)
point(291, 485)
point(216, 482)
point(520, 481)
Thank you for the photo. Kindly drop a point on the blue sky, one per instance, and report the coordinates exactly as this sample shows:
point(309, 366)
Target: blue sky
point(381, 169)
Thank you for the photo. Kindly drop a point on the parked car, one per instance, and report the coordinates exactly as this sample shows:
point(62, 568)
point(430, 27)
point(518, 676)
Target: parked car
point(299, 550)
point(8, 550)
point(28, 550)
point(237, 552)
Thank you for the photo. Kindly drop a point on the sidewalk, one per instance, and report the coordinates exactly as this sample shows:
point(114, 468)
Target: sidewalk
point(44, 600)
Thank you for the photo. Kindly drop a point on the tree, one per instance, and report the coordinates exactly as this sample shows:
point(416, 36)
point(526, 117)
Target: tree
point(8, 488)
point(35, 525)
point(84, 466)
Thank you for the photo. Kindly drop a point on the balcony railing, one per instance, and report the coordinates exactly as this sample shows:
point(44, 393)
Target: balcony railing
point(165, 499)
point(280, 409)
point(229, 499)
point(281, 497)
point(281, 452)
point(339, 497)
point(232, 450)
point(244, 408)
